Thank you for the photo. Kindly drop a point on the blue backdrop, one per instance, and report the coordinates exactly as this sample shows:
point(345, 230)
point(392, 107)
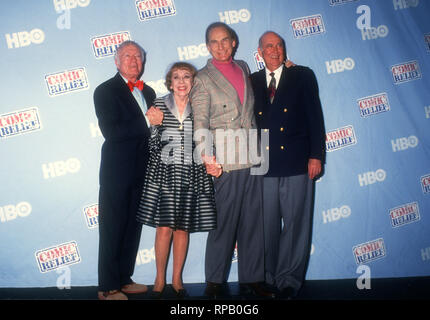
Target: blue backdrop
point(371, 59)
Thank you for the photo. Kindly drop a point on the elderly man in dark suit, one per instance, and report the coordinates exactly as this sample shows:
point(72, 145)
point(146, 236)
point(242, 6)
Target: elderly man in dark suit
point(288, 105)
point(223, 105)
point(121, 103)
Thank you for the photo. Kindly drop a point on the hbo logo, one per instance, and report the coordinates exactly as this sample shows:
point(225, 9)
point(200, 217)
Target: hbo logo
point(60, 168)
point(145, 256)
point(364, 25)
point(233, 16)
point(95, 129)
point(404, 4)
point(371, 177)
point(10, 212)
point(335, 214)
point(374, 33)
point(339, 65)
point(61, 5)
point(193, 52)
point(158, 86)
point(404, 143)
point(24, 38)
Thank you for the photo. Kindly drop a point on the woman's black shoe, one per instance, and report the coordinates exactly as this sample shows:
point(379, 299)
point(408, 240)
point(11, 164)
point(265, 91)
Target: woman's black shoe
point(181, 293)
point(157, 295)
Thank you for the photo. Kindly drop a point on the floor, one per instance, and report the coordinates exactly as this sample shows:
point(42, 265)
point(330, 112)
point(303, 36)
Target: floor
point(334, 299)
point(414, 288)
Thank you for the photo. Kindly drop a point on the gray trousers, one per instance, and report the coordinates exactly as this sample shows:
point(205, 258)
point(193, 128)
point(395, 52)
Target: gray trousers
point(287, 229)
point(238, 197)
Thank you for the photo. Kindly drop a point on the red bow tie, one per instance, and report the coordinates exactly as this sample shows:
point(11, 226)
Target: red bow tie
point(138, 84)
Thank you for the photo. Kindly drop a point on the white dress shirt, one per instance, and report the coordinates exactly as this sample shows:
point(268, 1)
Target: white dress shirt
point(277, 72)
point(140, 99)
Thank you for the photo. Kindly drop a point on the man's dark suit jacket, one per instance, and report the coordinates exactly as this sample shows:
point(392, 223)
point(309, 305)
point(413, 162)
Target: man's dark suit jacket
point(295, 120)
point(123, 125)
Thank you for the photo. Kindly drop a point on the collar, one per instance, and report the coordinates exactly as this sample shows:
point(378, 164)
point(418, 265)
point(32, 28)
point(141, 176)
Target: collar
point(170, 103)
point(221, 64)
point(277, 72)
point(123, 78)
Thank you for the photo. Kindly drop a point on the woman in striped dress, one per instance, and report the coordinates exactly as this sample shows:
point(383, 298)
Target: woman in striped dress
point(177, 196)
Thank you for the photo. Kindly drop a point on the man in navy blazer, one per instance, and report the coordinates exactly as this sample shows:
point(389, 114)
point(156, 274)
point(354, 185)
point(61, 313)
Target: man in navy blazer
point(294, 119)
point(121, 103)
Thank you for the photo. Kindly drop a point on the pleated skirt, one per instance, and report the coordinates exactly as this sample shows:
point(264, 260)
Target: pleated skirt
point(178, 195)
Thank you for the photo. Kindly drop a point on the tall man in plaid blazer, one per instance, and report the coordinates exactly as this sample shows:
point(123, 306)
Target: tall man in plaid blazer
point(222, 101)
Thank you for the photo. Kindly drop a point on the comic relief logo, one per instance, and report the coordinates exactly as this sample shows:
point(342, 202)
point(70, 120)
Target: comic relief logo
point(340, 138)
point(259, 62)
point(151, 9)
point(425, 183)
point(91, 214)
point(58, 256)
point(307, 26)
point(337, 2)
point(369, 251)
point(405, 72)
point(427, 40)
point(19, 122)
point(372, 105)
point(66, 81)
point(106, 45)
point(404, 214)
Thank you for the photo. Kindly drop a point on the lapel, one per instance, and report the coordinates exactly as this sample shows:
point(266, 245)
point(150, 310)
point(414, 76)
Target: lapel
point(246, 82)
point(282, 85)
point(284, 76)
point(223, 83)
point(262, 84)
point(126, 95)
point(170, 103)
point(147, 96)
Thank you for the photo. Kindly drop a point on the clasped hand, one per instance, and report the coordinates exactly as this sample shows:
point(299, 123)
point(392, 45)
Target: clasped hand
point(155, 116)
point(212, 167)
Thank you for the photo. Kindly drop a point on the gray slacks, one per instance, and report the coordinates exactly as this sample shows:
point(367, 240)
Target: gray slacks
point(238, 197)
point(287, 229)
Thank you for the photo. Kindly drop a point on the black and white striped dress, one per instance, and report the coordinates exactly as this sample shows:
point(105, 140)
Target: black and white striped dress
point(177, 192)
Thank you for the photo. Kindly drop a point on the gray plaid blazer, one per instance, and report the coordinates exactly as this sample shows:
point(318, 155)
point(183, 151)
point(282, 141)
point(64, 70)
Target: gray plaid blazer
point(216, 107)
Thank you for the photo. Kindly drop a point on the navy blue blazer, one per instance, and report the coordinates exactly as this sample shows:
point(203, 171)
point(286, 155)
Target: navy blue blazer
point(125, 151)
point(295, 120)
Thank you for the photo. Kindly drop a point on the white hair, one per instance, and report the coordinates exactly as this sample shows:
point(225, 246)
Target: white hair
point(126, 44)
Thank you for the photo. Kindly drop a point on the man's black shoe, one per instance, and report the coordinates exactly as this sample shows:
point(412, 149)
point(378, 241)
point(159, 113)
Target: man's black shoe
point(213, 290)
point(287, 293)
point(257, 289)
